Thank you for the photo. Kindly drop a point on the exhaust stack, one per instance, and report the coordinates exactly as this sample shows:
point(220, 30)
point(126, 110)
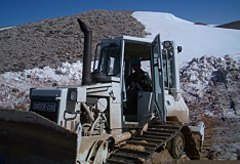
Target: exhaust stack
point(86, 77)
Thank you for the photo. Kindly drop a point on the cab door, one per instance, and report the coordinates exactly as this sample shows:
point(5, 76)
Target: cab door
point(158, 79)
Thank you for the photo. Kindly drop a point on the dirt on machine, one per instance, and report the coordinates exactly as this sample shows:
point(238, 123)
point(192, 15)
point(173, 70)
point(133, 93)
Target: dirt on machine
point(94, 123)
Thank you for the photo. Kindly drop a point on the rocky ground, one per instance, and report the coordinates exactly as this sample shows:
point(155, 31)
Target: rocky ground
point(54, 41)
point(211, 89)
point(211, 86)
point(53, 49)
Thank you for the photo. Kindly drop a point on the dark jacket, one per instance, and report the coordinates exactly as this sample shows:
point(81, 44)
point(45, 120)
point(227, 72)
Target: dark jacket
point(141, 78)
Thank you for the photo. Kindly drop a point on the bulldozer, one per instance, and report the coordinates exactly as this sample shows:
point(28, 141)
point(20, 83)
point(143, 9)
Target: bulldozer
point(91, 123)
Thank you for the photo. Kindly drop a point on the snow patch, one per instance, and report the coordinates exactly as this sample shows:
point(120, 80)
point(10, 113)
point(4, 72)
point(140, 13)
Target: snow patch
point(5, 28)
point(196, 40)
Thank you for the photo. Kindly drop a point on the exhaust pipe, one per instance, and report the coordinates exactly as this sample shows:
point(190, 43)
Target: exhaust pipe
point(86, 77)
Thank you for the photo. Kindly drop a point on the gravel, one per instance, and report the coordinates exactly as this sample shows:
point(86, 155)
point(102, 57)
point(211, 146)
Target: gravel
point(53, 49)
point(55, 41)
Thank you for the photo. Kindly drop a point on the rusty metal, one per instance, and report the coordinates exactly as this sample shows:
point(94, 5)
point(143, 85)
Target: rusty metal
point(157, 140)
point(162, 130)
point(22, 139)
point(191, 146)
point(139, 148)
point(157, 133)
point(124, 136)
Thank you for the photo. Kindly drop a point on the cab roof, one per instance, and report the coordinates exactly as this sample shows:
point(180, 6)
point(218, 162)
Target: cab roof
point(129, 39)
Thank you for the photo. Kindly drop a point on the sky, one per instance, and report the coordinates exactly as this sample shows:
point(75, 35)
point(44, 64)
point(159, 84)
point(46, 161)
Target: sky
point(17, 12)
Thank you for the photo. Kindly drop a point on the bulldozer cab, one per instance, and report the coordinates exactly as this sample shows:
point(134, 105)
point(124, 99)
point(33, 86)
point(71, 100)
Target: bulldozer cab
point(113, 62)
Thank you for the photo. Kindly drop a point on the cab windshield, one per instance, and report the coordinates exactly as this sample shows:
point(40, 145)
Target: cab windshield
point(109, 62)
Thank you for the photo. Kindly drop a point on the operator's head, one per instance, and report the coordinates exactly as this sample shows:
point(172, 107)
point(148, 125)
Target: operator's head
point(136, 65)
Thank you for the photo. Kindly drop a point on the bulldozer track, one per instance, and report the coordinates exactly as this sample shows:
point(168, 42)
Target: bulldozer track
point(140, 148)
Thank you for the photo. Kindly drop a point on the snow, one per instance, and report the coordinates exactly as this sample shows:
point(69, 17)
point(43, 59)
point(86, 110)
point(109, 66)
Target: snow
point(64, 74)
point(5, 28)
point(15, 86)
point(196, 40)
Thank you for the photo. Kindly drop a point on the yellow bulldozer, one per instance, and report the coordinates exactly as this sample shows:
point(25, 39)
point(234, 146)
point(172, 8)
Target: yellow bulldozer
point(93, 123)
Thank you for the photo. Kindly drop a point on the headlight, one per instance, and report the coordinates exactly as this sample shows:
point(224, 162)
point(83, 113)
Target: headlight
point(102, 104)
point(73, 96)
point(167, 44)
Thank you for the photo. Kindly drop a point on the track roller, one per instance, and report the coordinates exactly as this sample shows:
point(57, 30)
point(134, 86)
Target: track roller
point(176, 146)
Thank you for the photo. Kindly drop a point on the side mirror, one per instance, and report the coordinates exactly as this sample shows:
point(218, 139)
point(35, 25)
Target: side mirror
point(179, 49)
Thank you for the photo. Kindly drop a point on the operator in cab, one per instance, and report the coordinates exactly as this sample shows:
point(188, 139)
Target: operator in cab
point(137, 81)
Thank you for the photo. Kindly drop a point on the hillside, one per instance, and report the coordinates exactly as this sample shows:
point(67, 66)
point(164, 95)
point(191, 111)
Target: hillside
point(54, 41)
point(48, 53)
point(232, 25)
point(196, 40)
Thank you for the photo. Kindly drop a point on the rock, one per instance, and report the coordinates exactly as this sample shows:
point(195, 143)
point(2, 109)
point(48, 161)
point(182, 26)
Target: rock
point(206, 81)
point(47, 42)
point(15, 90)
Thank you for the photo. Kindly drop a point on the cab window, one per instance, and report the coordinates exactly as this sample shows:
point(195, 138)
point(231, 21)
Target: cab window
point(109, 63)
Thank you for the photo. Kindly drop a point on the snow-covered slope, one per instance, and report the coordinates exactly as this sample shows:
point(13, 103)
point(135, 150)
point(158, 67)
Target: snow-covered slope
point(5, 28)
point(196, 40)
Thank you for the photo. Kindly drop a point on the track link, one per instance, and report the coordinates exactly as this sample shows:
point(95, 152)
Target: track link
point(140, 148)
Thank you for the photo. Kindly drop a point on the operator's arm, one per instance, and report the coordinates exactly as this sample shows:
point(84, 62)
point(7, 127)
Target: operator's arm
point(128, 80)
point(147, 82)
point(144, 81)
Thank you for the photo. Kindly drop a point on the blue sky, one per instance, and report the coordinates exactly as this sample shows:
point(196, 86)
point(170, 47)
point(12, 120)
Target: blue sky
point(17, 12)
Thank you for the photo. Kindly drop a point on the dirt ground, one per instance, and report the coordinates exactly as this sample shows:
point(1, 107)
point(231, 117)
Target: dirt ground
point(222, 138)
point(222, 142)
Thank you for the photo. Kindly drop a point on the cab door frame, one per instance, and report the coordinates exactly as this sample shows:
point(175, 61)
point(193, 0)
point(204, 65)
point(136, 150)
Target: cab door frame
point(158, 79)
